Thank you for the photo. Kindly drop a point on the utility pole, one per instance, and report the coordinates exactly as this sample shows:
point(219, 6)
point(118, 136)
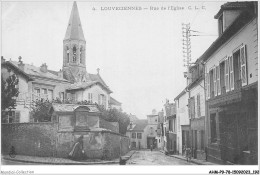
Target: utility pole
point(186, 46)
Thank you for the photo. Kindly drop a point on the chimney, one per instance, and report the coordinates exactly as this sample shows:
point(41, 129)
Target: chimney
point(98, 71)
point(2, 59)
point(44, 68)
point(131, 126)
point(20, 65)
point(60, 74)
point(154, 112)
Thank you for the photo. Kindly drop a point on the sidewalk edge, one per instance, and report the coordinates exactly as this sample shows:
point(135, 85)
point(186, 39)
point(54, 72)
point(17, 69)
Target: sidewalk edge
point(62, 163)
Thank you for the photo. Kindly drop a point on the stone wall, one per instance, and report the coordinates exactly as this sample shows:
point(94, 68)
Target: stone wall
point(43, 139)
point(114, 145)
point(33, 139)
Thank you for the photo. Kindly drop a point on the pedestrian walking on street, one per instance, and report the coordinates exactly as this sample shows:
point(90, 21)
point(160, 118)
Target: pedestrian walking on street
point(188, 154)
point(151, 147)
point(184, 150)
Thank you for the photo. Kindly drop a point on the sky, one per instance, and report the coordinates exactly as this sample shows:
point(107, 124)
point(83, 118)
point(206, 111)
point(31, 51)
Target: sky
point(139, 52)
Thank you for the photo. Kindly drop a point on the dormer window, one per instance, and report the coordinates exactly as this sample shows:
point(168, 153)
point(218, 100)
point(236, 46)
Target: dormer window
point(220, 25)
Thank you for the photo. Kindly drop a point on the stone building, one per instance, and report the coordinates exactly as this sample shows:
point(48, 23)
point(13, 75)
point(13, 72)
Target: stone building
point(231, 79)
point(136, 131)
point(74, 46)
point(171, 128)
point(160, 130)
point(151, 130)
point(144, 133)
point(40, 83)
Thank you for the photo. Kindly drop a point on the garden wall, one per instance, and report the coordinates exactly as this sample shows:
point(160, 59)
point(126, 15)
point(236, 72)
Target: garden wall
point(33, 139)
point(43, 139)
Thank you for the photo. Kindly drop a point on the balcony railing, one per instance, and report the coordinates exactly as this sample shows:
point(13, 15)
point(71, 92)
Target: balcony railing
point(28, 97)
point(36, 97)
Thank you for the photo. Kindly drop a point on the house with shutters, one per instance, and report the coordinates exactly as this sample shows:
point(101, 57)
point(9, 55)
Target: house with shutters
point(35, 83)
point(136, 131)
point(143, 133)
point(231, 81)
point(22, 109)
point(196, 106)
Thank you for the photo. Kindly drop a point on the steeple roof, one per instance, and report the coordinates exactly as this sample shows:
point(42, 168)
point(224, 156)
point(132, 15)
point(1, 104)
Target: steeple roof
point(74, 30)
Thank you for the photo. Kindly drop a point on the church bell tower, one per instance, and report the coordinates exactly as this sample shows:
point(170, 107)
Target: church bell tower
point(74, 45)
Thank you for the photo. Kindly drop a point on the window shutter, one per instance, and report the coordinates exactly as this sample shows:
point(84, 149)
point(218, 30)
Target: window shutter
point(226, 75)
point(189, 108)
point(192, 107)
point(218, 80)
point(215, 81)
point(243, 65)
point(231, 68)
point(208, 85)
point(105, 102)
point(198, 104)
point(17, 117)
point(194, 111)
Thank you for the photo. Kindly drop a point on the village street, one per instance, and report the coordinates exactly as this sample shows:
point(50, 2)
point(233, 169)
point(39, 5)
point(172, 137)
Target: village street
point(147, 157)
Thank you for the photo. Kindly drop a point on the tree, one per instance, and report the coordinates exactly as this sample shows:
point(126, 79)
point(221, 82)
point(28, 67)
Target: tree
point(114, 115)
point(9, 91)
point(40, 111)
